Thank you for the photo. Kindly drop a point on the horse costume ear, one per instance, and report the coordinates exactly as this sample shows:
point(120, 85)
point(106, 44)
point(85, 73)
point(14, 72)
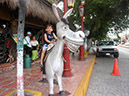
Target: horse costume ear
point(54, 7)
point(68, 13)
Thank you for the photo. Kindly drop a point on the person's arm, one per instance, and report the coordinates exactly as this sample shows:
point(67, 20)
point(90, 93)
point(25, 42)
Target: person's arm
point(37, 45)
point(55, 36)
point(45, 38)
point(28, 40)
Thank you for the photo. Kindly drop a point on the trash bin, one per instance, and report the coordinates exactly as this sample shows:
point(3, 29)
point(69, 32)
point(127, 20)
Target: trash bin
point(27, 61)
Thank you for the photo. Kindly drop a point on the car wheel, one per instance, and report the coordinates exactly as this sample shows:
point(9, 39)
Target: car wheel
point(97, 54)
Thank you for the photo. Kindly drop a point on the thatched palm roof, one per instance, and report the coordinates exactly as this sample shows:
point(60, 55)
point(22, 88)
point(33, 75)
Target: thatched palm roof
point(36, 8)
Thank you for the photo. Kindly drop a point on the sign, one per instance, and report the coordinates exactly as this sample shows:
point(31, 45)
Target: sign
point(15, 39)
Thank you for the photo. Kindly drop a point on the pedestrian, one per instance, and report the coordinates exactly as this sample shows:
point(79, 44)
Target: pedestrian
point(49, 37)
point(8, 43)
point(35, 47)
point(28, 48)
point(8, 53)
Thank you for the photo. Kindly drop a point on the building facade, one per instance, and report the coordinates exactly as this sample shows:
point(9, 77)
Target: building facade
point(38, 14)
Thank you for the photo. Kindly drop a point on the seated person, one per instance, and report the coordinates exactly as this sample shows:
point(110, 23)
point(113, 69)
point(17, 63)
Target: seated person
point(49, 37)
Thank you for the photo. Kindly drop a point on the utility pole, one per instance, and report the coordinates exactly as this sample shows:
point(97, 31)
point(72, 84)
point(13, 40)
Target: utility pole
point(20, 40)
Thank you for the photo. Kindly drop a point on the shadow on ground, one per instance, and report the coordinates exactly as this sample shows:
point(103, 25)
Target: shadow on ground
point(66, 94)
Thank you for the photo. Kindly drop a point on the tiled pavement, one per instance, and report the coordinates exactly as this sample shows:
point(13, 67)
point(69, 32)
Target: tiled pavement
point(33, 75)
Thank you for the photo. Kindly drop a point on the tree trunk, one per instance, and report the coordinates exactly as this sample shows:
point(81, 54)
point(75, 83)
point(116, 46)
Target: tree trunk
point(89, 44)
point(89, 39)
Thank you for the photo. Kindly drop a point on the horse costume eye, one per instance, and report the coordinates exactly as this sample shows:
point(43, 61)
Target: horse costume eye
point(64, 27)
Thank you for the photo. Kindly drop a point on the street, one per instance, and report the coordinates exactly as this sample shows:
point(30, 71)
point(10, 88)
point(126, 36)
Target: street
point(102, 83)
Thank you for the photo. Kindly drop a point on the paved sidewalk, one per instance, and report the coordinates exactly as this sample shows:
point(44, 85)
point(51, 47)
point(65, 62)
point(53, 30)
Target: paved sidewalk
point(33, 76)
point(124, 46)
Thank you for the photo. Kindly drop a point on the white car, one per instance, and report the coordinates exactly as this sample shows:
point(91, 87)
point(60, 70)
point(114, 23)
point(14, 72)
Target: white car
point(126, 44)
point(107, 47)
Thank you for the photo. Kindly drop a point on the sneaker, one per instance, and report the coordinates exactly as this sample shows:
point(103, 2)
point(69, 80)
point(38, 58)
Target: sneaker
point(44, 80)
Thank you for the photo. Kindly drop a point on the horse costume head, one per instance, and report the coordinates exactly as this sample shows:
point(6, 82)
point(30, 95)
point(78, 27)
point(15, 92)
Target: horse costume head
point(73, 40)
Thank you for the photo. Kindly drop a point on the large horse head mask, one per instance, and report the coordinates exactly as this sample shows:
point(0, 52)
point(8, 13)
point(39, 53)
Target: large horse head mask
point(72, 39)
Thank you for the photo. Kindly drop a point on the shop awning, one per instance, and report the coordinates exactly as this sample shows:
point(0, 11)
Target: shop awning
point(36, 8)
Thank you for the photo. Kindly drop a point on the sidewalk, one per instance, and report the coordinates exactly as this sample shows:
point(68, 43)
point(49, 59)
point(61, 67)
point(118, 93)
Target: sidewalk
point(124, 46)
point(33, 76)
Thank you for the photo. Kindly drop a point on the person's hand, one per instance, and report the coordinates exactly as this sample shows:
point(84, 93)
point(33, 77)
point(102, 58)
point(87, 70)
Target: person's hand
point(55, 40)
point(52, 41)
point(41, 65)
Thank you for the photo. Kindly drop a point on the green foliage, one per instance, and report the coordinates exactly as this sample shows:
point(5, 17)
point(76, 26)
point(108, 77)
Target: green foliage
point(102, 15)
point(116, 39)
point(53, 1)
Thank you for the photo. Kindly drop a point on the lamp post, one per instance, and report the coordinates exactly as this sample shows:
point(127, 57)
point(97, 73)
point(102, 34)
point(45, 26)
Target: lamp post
point(81, 12)
point(71, 3)
point(67, 69)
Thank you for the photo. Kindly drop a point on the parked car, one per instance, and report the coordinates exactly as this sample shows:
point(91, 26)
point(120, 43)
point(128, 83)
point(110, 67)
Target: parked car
point(126, 44)
point(122, 43)
point(107, 47)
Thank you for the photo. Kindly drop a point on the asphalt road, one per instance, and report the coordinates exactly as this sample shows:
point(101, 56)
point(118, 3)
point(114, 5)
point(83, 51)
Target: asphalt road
point(102, 83)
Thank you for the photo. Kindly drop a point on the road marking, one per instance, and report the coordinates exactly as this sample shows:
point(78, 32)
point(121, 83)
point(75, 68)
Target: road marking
point(36, 93)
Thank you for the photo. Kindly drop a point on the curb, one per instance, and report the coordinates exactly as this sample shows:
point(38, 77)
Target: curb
point(86, 54)
point(124, 47)
point(82, 88)
point(35, 93)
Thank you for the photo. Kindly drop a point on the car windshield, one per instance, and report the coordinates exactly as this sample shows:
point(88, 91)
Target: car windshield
point(106, 43)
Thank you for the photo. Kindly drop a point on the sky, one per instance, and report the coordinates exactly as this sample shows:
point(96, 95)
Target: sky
point(122, 34)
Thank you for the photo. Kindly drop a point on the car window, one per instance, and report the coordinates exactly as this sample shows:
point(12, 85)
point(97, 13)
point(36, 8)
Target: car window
point(106, 43)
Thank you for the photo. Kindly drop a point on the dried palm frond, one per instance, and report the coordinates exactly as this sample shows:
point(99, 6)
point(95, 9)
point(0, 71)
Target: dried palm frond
point(36, 8)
